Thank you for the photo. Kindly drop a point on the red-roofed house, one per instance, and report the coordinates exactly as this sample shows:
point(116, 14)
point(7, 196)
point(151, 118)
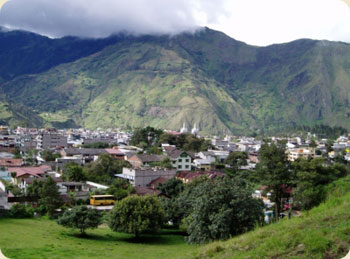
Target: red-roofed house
point(11, 162)
point(23, 173)
point(115, 153)
point(154, 184)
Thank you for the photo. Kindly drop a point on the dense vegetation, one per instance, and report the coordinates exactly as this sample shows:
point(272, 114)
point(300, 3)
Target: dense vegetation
point(322, 232)
point(151, 139)
point(47, 195)
point(206, 78)
point(137, 215)
point(322, 131)
point(103, 169)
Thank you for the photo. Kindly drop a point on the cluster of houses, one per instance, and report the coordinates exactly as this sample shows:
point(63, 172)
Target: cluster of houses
point(146, 172)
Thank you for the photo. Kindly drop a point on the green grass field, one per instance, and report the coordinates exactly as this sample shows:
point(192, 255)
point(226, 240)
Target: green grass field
point(42, 238)
point(323, 232)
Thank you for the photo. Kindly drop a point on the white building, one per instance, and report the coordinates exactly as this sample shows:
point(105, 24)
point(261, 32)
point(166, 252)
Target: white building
point(184, 128)
point(181, 160)
point(294, 154)
point(143, 177)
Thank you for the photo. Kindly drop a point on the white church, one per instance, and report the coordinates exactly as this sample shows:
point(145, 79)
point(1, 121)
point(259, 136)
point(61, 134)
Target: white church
point(194, 131)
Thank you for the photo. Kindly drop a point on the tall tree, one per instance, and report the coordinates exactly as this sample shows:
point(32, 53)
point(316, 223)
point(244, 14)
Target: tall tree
point(273, 170)
point(73, 172)
point(147, 136)
point(236, 160)
point(50, 198)
point(221, 207)
point(311, 178)
point(137, 215)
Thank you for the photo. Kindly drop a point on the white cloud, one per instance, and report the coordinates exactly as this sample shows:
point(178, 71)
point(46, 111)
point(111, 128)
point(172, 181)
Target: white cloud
point(258, 22)
point(276, 21)
point(99, 18)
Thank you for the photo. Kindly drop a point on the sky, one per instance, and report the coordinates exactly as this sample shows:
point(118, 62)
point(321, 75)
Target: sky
point(256, 22)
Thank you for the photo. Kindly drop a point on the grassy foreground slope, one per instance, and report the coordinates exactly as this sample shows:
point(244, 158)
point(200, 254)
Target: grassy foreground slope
point(42, 238)
point(324, 232)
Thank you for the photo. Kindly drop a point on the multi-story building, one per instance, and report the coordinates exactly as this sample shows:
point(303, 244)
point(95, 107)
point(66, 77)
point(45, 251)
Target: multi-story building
point(294, 154)
point(143, 177)
point(47, 141)
point(181, 160)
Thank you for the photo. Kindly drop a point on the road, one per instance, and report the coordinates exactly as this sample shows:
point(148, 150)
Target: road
point(107, 208)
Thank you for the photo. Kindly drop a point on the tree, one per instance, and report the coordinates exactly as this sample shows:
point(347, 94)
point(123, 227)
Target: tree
point(137, 215)
point(149, 136)
point(171, 188)
point(103, 170)
point(49, 196)
point(49, 156)
point(16, 191)
point(313, 143)
point(329, 145)
point(222, 207)
point(80, 217)
point(192, 143)
point(311, 178)
point(273, 170)
point(236, 160)
point(121, 188)
point(30, 157)
point(17, 153)
point(166, 163)
point(73, 172)
point(154, 151)
point(33, 189)
point(187, 142)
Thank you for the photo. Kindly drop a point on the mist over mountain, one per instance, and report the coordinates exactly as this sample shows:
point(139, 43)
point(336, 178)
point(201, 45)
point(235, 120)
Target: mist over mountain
point(206, 78)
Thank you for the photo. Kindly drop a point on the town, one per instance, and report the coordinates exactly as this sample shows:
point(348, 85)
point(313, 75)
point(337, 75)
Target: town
point(76, 176)
point(83, 163)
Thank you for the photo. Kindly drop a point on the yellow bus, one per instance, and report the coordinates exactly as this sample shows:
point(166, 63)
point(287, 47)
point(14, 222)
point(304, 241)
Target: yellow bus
point(97, 200)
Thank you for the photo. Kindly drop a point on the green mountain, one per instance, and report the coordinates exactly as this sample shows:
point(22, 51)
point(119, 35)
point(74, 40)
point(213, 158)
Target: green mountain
point(207, 78)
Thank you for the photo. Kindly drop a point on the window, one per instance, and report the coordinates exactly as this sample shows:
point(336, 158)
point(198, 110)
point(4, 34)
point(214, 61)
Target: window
point(180, 160)
point(179, 167)
point(186, 166)
point(187, 160)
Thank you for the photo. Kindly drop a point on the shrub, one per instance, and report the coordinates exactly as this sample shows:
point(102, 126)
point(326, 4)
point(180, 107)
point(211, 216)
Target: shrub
point(20, 211)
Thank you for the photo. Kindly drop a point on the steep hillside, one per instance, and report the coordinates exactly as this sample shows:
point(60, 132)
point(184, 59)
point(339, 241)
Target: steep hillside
point(130, 84)
point(206, 78)
point(324, 232)
point(27, 53)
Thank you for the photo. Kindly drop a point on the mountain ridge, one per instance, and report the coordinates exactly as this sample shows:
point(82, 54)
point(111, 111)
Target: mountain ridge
point(207, 78)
